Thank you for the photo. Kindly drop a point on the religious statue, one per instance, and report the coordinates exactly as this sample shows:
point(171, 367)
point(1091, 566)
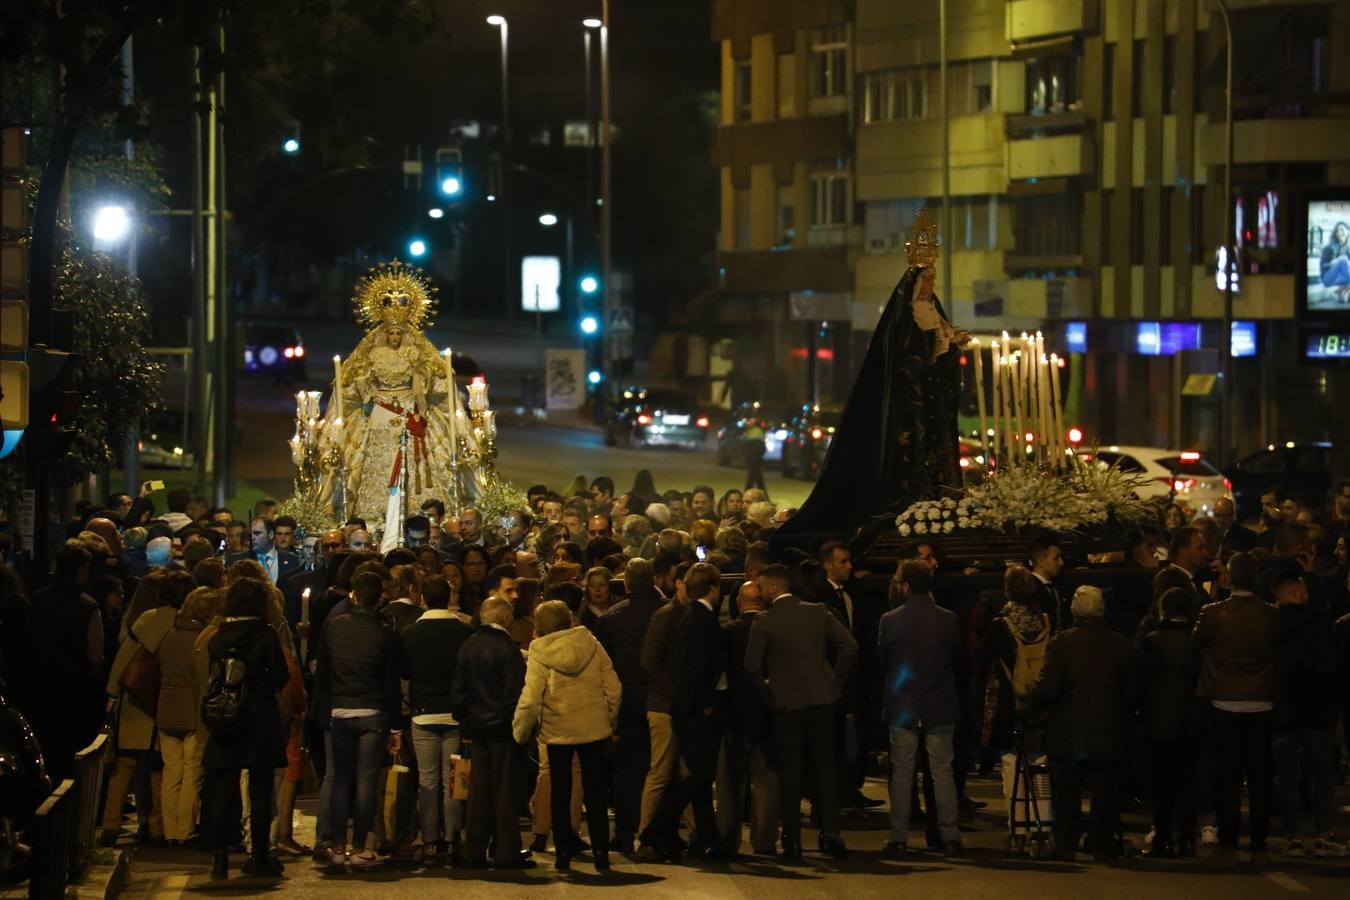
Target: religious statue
point(896, 441)
point(392, 414)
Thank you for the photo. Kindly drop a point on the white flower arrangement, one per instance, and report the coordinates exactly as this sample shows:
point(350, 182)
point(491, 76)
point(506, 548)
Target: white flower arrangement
point(1086, 495)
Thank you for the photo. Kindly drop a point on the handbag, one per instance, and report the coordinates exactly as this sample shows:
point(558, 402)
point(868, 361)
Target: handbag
point(459, 778)
point(140, 679)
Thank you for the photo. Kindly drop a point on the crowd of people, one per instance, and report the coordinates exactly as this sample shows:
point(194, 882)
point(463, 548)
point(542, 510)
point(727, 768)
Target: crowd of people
point(647, 655)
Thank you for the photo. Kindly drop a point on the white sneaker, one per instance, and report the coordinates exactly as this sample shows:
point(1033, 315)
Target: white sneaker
point(364, 860)
point(1328, 846)
point(1209, 836)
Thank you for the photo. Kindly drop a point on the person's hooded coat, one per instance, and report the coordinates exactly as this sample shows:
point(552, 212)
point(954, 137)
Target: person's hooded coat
point(571, 690)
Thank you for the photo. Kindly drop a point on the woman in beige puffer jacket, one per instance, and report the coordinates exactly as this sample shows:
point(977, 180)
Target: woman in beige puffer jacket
point(572, 696)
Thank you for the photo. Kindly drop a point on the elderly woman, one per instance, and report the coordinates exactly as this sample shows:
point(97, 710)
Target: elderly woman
point(1086, 688)
point(572, 696)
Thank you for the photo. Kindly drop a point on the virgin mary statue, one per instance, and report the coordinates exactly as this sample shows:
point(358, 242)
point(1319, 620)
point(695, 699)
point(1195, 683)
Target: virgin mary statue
point(395, 396)
point(896, 441)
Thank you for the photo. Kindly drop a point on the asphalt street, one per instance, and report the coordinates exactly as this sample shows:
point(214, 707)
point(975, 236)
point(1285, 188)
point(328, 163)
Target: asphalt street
point(987, 871)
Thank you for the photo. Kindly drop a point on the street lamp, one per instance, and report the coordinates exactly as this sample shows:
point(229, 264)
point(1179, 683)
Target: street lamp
point(499, 22)
point(417, 248)
point(111, 224)
point(548, 219)
point(451, 186)
point(290, 146)
point(436, 212)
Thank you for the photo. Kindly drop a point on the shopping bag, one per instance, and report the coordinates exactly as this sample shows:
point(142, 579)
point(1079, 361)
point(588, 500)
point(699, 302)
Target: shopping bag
point(397, 801)
point(460, 776)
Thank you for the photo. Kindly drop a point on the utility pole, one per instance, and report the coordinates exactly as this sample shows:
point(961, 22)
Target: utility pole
point(1225, 427)
point(948, 244)
point(606, 204)
point(224, 360)
point(131, 454)
point(197, 321)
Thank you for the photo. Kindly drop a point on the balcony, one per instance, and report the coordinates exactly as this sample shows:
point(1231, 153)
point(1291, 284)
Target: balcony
point(784, 271)
point(1036, 20)
point(904, 158)
point(1061, 156)
point(782, 143)
point(1280, 140)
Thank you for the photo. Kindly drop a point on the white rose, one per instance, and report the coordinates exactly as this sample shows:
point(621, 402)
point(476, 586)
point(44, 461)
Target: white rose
point(948, 527)
point(921, 528)
point(905, 530)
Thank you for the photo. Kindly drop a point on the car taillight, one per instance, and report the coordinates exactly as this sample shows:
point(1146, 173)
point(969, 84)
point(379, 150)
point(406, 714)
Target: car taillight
point(965, 462)
point(1181, 484)
point(702, 422)
point(289, 353)
point(300, 352)
point(816, 434)
point(644, 419)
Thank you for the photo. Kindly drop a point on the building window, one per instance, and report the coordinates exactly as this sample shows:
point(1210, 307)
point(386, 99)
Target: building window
point(742, 91)
point(1109, 82)
point(895, 94)
point(1136, 227)
point(742, 214)
point(887, 223)
point(829, 198)
point(977, 219)
point(787, 86)
point(1169, 199)
point(785, 227)
point(1199, 252)
point(1138, 80)
point(981, 85)
point(1048, 224)
point(1169, 75)
point(1052, 84)
point(1107, 223)
point(829, 61)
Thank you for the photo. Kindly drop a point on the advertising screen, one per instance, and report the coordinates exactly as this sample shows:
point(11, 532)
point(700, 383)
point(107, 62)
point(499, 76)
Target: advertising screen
point(1327, 276)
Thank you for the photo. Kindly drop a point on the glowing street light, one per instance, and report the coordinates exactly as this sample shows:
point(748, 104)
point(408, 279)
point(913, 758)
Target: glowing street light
point(592, 23)
point(548, 220)
point(451, 186)
point(594, 376)
point(111, 224)
point(589, 284)
point(417, 248)
point(496, 20)
point(436, 212)
point(290, 146)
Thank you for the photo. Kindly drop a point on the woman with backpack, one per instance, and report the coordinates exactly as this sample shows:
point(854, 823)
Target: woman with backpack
point(239, 709)
point(1013, 648)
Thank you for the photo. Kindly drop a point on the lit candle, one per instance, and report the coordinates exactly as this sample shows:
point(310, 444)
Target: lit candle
point(489, 422)
point(1057, 412)
point(979, 395)
point(300, 406)
point(995, 369)
point(1043, 389)
point(297, 455)
point(337, 384)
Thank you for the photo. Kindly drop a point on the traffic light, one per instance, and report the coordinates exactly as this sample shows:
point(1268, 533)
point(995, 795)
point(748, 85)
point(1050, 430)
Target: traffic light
point(290, 139)
point(450, 173)
point(589, 325)
point(53, 400)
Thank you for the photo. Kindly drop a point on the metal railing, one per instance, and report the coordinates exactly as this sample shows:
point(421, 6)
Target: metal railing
point(63, 829)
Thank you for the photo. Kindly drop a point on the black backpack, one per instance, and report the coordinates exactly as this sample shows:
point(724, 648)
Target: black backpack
point(225, 703)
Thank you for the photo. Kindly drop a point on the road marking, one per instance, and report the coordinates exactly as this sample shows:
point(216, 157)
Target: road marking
point(1288, 883)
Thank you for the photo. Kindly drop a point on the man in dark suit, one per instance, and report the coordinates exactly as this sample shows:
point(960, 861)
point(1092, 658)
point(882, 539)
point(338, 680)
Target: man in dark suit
point(278, 564)
point(1188, 559)
point(747, 743)
point(1047, 561)
point(698, 713)
point(1233, 536)
point(832, 588)
point(918, 647)
point(789, 653)
point(489, 676)
point(622, 631)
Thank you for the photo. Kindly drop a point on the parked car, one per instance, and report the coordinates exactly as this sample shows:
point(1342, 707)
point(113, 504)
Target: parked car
point(161, 443)
point(774, 418)
point(274, 350)
point(1302, 469)
point(651, 417)
point(810, 433)
point(1182, 476)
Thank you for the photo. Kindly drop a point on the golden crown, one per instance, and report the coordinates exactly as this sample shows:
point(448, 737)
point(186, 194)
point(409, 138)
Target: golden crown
point(923, 246)
point(395, 294)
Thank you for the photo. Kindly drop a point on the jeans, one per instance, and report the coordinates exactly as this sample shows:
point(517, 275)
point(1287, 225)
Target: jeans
point(747, 787)
point(182, 782)
point(1173, 765)
point(938, 742)
point(1241, 746)
point(439, 816)
point(1306, 750)
point(801, 733)
point(593, 771)
point(1099, 777)
point(358, 749)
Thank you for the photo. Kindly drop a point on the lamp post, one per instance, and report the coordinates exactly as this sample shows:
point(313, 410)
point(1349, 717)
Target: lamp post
point(589, 25)
point(499, 22)
point(548, 220)
point(606, 206)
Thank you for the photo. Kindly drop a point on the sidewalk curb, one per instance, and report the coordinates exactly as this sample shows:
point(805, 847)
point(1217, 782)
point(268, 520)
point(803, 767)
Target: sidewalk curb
point(103, 882)
point(517, 416)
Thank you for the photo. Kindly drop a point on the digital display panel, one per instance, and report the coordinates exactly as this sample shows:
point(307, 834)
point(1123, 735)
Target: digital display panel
point(1325, 281)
